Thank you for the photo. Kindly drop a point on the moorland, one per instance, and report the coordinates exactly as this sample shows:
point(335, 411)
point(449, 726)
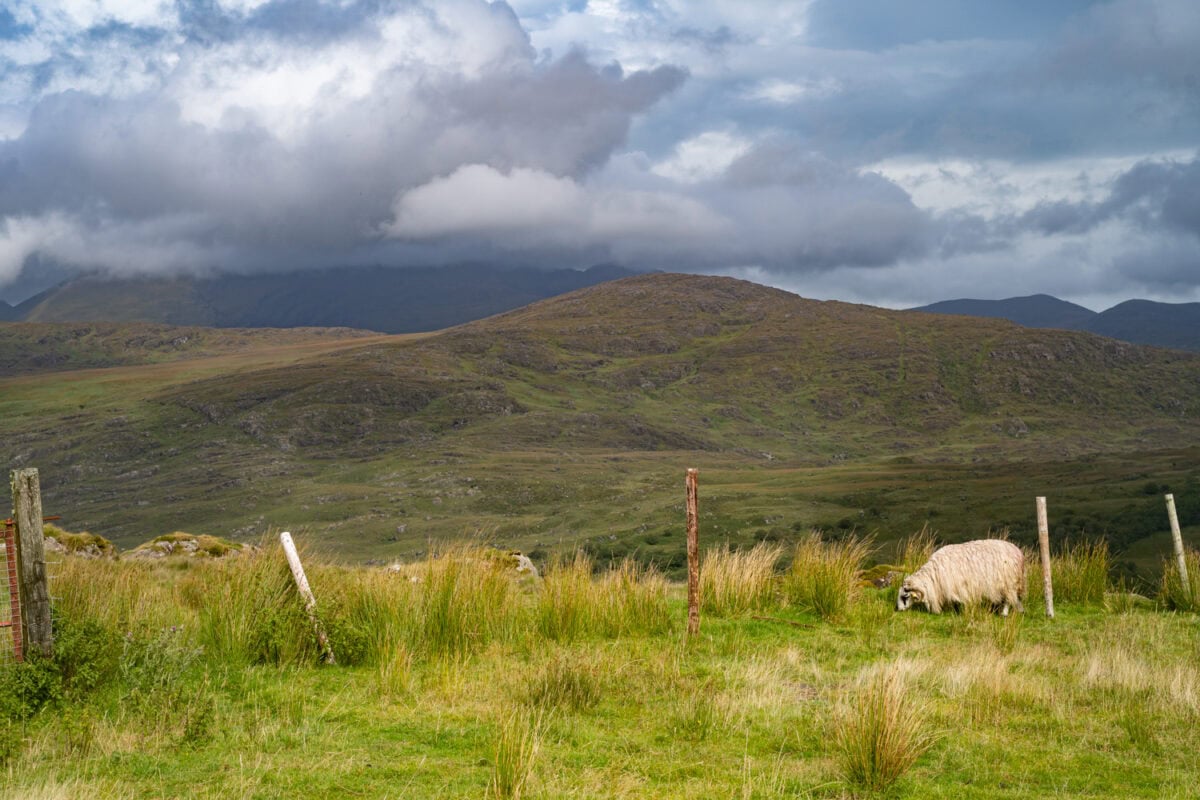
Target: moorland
point(570, 423)
point(563, 429)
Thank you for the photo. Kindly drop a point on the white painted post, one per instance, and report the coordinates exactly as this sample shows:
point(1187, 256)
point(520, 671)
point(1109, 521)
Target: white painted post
point(1177, 537)
point(1044, 548)
point(310, 602)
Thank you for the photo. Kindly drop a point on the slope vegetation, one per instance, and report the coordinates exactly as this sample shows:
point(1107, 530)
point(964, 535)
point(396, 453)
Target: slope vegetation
point(570, 421)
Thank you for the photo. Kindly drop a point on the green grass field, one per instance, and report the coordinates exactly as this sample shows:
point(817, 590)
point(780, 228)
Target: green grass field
point(201, 679)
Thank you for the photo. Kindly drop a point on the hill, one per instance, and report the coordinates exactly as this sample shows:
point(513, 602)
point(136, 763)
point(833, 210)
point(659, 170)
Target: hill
point(7, 312)
point(390, 300)
point(1147, 322)
point(570, 421)
point(30, 347)
point(1034, 311)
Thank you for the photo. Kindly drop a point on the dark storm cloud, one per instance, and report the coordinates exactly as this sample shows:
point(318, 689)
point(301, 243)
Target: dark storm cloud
point(1153, 195)
point(117, 182)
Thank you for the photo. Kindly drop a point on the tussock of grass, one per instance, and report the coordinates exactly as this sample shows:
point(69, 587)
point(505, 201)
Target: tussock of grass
point(515, 750)
point(916, 549)
point(1172, 591)
point(824, 575)
point(881, 733)
point(565, 683)
point(628, 599)
point(738, 582)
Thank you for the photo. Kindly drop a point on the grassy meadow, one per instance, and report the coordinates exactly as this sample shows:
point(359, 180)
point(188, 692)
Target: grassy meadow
point(457, 679)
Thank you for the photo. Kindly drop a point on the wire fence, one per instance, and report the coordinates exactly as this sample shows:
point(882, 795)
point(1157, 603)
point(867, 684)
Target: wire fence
point(10, 609)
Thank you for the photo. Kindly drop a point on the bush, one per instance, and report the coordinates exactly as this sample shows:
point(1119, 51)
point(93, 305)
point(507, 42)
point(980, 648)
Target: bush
point(28, 687)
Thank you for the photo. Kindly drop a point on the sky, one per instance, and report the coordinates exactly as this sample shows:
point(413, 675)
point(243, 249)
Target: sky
point(891, 153)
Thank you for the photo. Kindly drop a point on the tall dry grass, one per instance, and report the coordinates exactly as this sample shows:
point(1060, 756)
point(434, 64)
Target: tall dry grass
point(514, 752)
point(1079, 573)
point(824, 574)
point(916, 549)
point(627, 599)
point(881, 732)
point(1173, 592)
point(737, 582)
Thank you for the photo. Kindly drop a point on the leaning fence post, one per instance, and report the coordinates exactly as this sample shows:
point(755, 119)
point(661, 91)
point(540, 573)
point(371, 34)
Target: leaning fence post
point(36, 632)
point(310, 602)
point(693, 554)
point(1044, 548)
point(1177, 537)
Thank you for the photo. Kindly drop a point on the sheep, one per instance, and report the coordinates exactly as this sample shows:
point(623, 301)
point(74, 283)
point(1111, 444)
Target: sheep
point(962, 574)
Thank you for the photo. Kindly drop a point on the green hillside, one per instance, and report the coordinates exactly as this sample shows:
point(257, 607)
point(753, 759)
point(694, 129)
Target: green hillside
point(572, 420)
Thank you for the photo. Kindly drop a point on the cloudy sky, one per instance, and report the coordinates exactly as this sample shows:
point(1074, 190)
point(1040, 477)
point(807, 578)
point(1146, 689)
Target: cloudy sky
point(894, 153)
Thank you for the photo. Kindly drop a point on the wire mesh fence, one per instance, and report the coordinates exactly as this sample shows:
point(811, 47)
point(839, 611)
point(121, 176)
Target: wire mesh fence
point(10, 608)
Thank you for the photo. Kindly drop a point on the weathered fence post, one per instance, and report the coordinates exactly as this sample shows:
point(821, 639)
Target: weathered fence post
point(1044, 548)
point(1177, 538)
point(36, 633)
point(693, 554)
point(310, 602)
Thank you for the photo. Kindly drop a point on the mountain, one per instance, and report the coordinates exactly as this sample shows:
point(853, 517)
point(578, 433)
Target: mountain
point(7, 312)
point(1034, 311)
point(1174, 325)
point(389, 300)
point(1146, 322)
point(570, 421)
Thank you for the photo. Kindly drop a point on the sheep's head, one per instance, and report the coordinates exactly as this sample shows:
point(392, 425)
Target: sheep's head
point(908, 596)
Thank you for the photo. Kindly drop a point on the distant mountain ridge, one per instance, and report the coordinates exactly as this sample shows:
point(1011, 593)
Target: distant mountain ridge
point(1175, 325)
point(384, 299)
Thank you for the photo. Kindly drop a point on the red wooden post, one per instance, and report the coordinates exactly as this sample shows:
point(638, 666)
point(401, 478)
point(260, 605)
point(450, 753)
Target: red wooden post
point(693, 553)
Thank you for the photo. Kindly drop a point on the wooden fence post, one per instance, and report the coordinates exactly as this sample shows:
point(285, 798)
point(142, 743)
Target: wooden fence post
point(1044, 548)
point(310, 602)
point(1177, 538)
point(36, 633)
point(693, 554)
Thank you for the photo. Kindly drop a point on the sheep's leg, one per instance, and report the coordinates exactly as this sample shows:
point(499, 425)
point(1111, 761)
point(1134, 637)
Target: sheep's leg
point(1004, 609)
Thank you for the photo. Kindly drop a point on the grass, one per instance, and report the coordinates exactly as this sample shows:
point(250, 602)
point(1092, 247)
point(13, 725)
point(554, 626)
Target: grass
point(568, 425)
point(880, 734)
point(1173, 590)
point(142, 700)
point(738, 582)
point(824, 575)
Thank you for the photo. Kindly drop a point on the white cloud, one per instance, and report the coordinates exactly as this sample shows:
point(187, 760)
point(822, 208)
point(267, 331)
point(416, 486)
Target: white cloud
point(703, 157)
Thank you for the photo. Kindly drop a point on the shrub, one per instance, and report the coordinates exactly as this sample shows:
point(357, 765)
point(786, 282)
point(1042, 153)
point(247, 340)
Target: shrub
point(824, 575)
point(880, 734)
point(736, 582)
point(28, 686)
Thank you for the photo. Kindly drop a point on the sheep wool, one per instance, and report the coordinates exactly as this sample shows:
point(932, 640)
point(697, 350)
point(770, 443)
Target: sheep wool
point(985, 570)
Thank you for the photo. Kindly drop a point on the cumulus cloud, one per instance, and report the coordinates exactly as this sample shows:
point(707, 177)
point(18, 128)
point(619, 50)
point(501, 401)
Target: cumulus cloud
point(805, 143)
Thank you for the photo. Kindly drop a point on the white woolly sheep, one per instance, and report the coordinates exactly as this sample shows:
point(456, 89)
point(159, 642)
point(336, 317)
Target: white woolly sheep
point(990, 570)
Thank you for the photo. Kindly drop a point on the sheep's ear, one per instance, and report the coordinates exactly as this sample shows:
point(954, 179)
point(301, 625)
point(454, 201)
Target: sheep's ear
point(917, 594)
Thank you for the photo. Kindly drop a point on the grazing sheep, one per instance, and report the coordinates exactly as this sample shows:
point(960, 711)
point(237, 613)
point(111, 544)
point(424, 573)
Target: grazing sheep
point(989, 570)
